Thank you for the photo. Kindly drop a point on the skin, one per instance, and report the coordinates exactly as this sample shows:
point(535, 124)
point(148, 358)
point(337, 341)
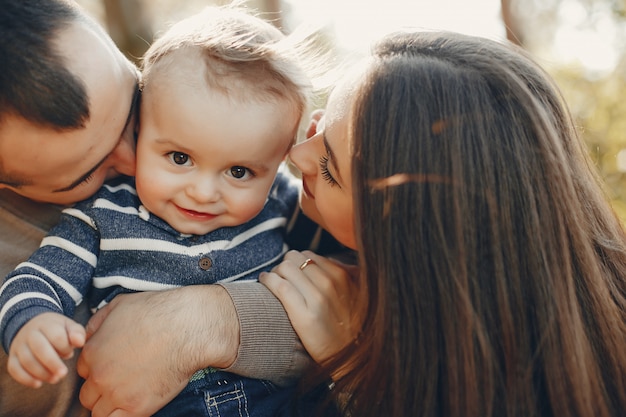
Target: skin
point(187, 177)
point(319, 299)
point(51, 161)
point(111, 387)
point(477, 337)
point(198, 167)
point(37, 352)
point(63, 167)
point(181, 132)
point(324, 161)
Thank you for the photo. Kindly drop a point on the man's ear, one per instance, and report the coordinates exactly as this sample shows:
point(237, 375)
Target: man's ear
point(315, 118)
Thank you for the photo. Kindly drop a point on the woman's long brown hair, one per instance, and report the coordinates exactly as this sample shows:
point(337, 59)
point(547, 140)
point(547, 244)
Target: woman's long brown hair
point(494, 265)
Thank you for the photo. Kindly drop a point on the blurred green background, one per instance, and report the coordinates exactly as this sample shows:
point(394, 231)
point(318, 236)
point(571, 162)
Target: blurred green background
point(582, 43)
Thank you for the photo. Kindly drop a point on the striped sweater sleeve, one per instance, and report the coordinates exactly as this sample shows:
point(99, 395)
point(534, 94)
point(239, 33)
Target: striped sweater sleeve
point(54, 279)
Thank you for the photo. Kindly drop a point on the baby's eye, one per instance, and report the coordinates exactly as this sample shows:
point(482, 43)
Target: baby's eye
point(240, 172)
point(179, 158)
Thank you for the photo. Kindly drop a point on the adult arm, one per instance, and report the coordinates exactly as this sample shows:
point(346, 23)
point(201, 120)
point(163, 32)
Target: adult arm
point(54, 278)
point(143, 348)
point(239, 327)
point(23, 224)
point(321, 299)
point(268, 346)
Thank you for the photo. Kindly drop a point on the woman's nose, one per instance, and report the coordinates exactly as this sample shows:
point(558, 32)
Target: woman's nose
point(304, 156)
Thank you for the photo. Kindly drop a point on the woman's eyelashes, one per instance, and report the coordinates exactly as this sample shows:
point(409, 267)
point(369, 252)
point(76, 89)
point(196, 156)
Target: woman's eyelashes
point(326, 175)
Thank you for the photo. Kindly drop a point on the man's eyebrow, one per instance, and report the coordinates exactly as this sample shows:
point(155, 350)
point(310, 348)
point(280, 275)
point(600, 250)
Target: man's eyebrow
point(15, 182)
point(331, 158)
point(131, 113)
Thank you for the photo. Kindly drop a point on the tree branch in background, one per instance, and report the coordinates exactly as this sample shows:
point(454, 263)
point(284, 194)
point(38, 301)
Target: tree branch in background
point(511, 24)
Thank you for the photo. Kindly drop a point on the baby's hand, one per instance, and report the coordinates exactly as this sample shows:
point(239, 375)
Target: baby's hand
point(37, 351)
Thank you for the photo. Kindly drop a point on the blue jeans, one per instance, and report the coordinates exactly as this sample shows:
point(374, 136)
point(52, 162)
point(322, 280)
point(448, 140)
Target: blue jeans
point(222, 394)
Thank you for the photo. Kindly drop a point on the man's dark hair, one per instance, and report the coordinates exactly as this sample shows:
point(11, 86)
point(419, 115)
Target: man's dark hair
point(34, 81)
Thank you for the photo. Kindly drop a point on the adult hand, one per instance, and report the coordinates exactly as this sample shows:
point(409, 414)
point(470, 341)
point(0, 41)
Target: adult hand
point(143, 348)
point(320, 299)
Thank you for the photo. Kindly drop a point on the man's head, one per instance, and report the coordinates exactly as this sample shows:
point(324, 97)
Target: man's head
point(67, 99)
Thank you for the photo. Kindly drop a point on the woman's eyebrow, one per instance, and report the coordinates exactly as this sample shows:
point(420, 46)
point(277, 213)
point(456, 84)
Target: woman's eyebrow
point(331, 158)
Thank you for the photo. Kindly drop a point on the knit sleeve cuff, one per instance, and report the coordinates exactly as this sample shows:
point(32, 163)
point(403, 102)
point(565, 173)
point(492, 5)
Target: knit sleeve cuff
point(269, 347)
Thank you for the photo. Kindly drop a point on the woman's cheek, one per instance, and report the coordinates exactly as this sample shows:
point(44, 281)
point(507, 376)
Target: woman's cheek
point(339, 221)
point(309, 208)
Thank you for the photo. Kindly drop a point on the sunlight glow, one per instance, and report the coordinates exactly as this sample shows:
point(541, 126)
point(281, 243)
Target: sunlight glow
point(586, 43)
point(358, 23)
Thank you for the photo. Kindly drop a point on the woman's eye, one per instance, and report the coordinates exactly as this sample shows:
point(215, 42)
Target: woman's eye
point(240, 172)
point(326, 175)
point(179, 158)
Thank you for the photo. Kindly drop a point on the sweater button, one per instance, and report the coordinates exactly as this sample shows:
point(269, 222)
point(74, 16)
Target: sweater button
point(205, 263)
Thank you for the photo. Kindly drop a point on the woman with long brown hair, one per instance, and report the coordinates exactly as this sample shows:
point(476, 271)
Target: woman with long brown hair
point(491, 268)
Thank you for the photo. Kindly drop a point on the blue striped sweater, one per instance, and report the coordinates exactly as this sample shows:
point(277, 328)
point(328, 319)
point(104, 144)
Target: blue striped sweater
point(110, 244)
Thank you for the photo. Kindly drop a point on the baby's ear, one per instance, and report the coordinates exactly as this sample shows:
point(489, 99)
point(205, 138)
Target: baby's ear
point(315, 118)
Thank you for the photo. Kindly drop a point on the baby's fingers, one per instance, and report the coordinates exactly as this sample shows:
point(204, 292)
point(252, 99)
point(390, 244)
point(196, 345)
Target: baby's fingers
point(63, 333)
point(21, 375)
point(48, 355)
point(76, 335)
point(35, 356)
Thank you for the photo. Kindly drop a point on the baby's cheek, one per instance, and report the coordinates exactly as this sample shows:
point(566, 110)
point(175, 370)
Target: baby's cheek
point(247, 209)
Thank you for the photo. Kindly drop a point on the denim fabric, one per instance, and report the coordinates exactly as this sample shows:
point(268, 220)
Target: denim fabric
point(222, 394)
